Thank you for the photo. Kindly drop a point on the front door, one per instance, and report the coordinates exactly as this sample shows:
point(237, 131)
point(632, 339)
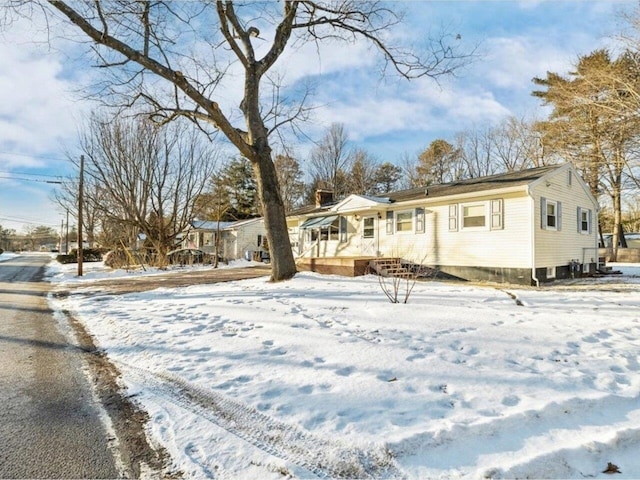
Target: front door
point(368, 241)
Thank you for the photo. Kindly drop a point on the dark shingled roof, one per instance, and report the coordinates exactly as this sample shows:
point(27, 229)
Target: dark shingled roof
point(503, 180)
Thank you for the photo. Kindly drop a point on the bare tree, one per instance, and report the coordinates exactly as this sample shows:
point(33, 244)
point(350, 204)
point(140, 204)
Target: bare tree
point(330, 159)
point(148, 176)
point(290, 177)
point(409, 166)
point(476, 153)
point(199, 50)
point(361, 178)
point(67, 197)
point(518, 146)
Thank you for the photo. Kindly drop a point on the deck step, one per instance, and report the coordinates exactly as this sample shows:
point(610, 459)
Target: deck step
point(390, 267)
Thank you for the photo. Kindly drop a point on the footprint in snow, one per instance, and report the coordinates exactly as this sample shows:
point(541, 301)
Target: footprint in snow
point(345, 372)
point(510, 400)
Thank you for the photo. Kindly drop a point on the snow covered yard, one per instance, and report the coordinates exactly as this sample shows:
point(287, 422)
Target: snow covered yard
point(322, 376)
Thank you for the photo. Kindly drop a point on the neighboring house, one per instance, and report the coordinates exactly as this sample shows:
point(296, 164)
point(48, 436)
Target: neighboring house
point(201, 234)
point(245, 239)
point(522, 227)
point(236, 238)
point(632, 239)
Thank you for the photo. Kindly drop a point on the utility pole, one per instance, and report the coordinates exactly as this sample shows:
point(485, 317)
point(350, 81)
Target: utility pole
point(80, 202)
point(66, 242)
point(61, 233)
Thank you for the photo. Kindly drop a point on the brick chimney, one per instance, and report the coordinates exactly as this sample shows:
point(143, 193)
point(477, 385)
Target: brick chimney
point(323, 197)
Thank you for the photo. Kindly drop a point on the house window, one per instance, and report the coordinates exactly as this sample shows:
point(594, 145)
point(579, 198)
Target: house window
point(404, 221)
point(550, 214)
point(343, 229)
point(551, 272)
point(584, 220)
point(389, 226)
point(259, 242)
point(368, 227)
point(330, 232)
point(473, 215)
point(569, 178)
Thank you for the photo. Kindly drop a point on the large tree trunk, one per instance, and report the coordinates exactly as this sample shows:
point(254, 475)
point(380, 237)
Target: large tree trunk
point(283, 265)
point(617, 222)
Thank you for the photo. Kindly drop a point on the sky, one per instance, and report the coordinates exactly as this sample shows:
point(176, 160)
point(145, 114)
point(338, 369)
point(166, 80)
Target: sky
point(322, 377)
point(42, 109)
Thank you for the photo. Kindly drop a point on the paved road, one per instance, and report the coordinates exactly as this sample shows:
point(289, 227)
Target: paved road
point(49, 424)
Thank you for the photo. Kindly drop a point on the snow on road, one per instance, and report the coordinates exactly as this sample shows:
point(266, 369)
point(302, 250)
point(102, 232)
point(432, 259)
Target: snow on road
point(321, 376)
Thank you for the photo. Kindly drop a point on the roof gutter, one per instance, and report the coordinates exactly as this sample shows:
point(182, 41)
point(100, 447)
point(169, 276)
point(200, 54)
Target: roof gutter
point(438, 199)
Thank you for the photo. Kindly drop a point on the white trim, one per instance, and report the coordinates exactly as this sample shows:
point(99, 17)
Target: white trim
point(395, 222)
point(545, 215)
point(485, 205)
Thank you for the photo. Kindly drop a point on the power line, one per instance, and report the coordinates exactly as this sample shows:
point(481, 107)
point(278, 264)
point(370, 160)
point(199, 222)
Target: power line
point(30, 222)
point(31, 174)
point(57, 182)
point(42, 157)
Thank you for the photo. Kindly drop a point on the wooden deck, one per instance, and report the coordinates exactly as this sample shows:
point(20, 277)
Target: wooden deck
point(345, 266)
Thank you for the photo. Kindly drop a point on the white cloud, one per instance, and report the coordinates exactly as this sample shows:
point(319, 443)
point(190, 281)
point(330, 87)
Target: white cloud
point(37, 104)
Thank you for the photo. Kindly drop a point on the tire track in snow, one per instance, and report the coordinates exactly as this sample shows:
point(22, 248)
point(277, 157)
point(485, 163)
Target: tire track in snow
point(324, 458)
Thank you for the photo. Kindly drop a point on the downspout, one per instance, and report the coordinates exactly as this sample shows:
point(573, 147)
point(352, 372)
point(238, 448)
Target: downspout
point(533, 238)
point(596, 224)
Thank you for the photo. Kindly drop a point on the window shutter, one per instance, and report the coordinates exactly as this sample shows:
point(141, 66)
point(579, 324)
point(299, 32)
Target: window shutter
point(389, 223)
point(419, 220)
point(453, 217)
point(579, 215)
point(589, 220)
point(559, 217)
point(343, 229)
point(543, 213)
point(496, 214)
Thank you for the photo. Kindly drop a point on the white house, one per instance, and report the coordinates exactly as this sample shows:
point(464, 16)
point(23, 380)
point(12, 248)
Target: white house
point(236, 238)
point(245, 238)
point(201, 234)
point(522, 227)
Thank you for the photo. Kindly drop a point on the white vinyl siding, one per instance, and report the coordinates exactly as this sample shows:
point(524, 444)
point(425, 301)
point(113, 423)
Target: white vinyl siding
point(473, 247)
point(558, 247)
